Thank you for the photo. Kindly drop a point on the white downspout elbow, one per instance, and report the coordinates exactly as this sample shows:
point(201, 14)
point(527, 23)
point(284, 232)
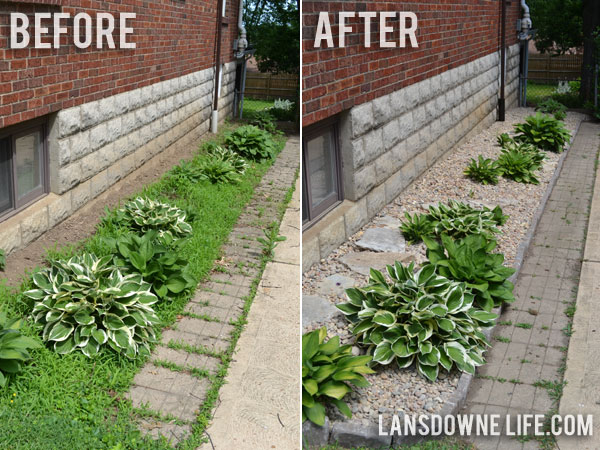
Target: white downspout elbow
point(526, 20)
point(242, 43)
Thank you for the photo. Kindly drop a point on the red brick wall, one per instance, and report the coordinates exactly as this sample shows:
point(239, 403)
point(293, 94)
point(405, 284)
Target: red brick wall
point(173, 37)
point(450, 33)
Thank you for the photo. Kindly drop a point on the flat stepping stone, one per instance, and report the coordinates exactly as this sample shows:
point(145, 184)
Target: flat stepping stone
point(172, 432)
point(361, 262)
point(335, 285)
point(316, 310)
point(387, 222)
point(382, 240)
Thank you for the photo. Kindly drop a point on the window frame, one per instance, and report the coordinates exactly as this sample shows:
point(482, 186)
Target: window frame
point(12, 133)
point(312, 131)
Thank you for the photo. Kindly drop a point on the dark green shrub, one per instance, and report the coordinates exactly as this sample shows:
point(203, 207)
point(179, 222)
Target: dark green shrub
point(415, 227)
point(484, 170)
point(158, 264)
point(545, 132)
point(265, 121)
point(251, 142)
point(471, 260)
point(422, 318)
point(551, 106)
point(327, 368)
point(518, 166)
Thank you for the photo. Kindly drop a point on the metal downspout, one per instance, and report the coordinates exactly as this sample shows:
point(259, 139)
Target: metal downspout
point(214, 123)
point(502, 100)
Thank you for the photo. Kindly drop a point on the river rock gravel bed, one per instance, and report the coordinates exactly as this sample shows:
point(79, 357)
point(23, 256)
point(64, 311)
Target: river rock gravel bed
point(403, 391)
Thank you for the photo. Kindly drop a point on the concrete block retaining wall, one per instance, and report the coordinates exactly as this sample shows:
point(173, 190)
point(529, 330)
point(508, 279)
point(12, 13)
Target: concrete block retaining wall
point(388, 142)
point(94, 145)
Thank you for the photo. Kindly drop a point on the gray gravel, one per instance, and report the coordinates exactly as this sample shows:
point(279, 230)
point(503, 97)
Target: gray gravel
point(395, 391)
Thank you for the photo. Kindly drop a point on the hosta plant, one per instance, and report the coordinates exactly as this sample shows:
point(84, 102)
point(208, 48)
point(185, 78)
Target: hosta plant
point(158, 264)
point(85, 304)
point(483, 170)
point(519, 166)
point(2, 259)
point(551, 106)
point(14, 347)
point(415, 227)
point(327, 368)
point(265, 121)
point(536, 154)
point(216, 170)
point(456, 219)
point(142, 215)
point(544, 132)
point(471, 260)
point(227, 155)
point(251, 142)
point(420, 318)
point(459, 219)
point(504, 139)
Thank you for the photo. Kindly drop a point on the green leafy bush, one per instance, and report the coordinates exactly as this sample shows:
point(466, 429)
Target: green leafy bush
point(544, 132)
point(251, 142)
point(458, 219)
point(216, 170)
point(158, 264)
point(536, 154)
point(551, 106)
point(504, 139)
point(229, 156)
point(421, 318)
point(265, 121)
point(13, 347)
point(142, 215)
point(415, 227)
point(471, 260)
point(455, 219)
point(484, 170)
point(519, 166)
point(85, 304)
point(327, 368)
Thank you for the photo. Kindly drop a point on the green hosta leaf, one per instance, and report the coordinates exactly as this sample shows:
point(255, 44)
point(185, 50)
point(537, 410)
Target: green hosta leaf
point(384, 318)
point(316, 414)
point(343, 407)
point(60, 331)
point(430, 372)
point(65, 346)
point(100, 336)
point(383, 353)
point(334, 389)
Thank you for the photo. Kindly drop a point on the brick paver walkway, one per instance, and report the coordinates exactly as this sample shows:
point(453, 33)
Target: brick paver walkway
point(546, 285)
point(195, 344)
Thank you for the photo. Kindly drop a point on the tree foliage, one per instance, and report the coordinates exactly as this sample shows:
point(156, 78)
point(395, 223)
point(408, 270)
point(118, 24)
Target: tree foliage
point(559, 24)
point(273, 28)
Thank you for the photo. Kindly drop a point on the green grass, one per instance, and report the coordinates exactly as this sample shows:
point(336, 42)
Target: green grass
point(71, 401)
point(538, 91)
point(252, 106)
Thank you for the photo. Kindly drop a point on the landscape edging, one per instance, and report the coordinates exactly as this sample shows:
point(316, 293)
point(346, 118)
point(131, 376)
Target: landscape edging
point(355, 433)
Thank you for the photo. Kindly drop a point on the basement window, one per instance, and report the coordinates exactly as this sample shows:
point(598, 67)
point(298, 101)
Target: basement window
point(23, 166)
point(321, 172)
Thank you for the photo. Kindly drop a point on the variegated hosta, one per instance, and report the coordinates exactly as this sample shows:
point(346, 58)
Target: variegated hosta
point(143, 214)
point(418, 317)
point(85, 303)
point(229, 156)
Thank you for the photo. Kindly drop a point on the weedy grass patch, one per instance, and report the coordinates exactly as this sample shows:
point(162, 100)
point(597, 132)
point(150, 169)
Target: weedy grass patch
point(72, 401)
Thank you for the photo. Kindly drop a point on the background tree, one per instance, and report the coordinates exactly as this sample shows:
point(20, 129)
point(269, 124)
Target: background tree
point(273, 28)
point(566, 24)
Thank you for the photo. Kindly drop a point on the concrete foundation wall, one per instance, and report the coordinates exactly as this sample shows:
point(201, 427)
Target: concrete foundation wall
point(94, 145)
point(388, 142)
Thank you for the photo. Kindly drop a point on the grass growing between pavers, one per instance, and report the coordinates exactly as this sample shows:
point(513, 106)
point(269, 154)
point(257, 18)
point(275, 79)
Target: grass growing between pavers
point(71, 401)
